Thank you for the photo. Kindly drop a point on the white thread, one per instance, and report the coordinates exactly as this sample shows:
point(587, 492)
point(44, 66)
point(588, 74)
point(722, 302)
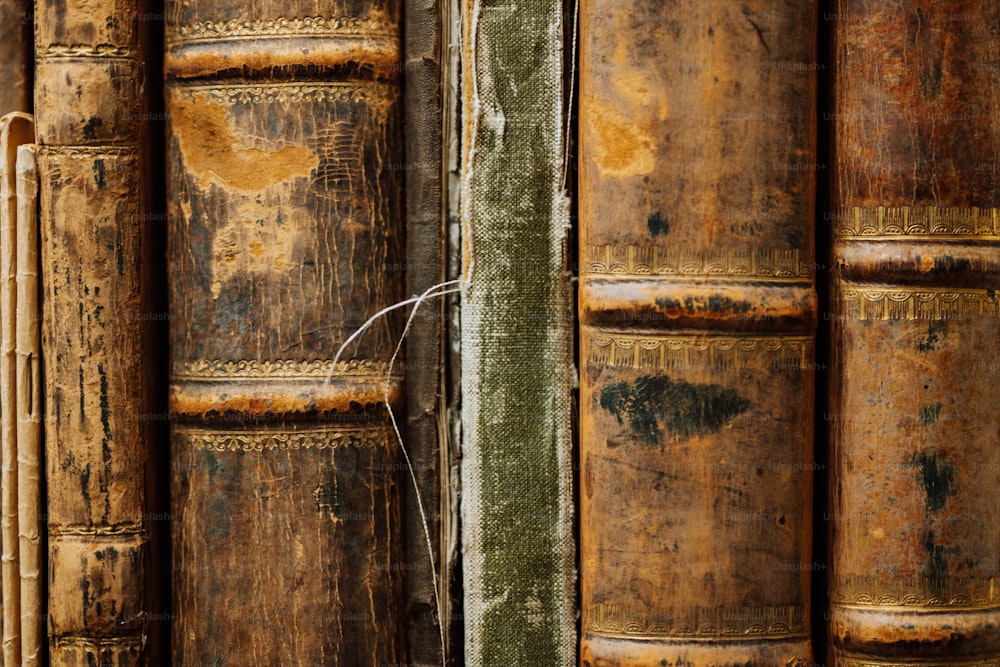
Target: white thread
point(371, 320)
point(416, 301)
point(572, 88)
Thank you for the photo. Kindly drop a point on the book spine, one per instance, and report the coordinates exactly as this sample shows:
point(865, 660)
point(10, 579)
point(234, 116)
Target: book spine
point(915, 222)
point(15, 55)
point(452, 617)
point(285, 236)
point(426, 565)
point(15, 130)
point(516, 319)
point(29, 410)
point(90, 87)
point(697, 331)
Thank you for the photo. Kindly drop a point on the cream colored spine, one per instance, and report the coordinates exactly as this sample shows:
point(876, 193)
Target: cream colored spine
point(29, 405)
point(15, 129)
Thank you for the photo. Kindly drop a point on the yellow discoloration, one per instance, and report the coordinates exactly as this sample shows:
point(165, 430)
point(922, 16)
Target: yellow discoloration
point(620, 147)
point(254, 241)
point(639, 88)
point(250, 245)
point(203, 129)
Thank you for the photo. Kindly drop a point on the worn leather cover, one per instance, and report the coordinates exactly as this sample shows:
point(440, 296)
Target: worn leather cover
point(90, 96)
point(285, 214)
point(15, 55)
point(697, 330)
point(915, 324)
point(425, 235)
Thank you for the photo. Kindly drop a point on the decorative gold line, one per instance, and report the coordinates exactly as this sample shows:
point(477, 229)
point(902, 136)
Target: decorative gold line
point(133, 641)
point(783, 265)
point(937, 662)
point(893, 222)
point(288, 92)
point(921, 303)
point(805, 281)
point(112, 51)
point(259, 440)
point(702, 623)
point(916, 608)
point(701, 638)
point(308, 26)
point(84, 530)
point(88, 152)
point(680, 352)
point(281, 368)
point(917, 594)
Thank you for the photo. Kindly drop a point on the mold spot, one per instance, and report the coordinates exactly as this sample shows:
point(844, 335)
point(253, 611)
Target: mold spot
point(99, 173)
point(654, 405)
point(930, 413)
point(658, 224)
point(935, 332)
point(937, 475)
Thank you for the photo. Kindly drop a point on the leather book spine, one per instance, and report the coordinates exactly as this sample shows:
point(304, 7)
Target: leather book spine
point(285, 235)
point(697, 331)
point(90, 97)
point(15, 55)
point(915, 222)
point(426, 566)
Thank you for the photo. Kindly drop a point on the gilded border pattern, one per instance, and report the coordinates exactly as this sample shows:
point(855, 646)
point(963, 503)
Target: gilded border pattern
point(923, 303)
point(98, 531)
point(750, 623)
point(88, 51)
point(685, 352)
point(88, 152)
point(307, 26)
point(134, 642)
point(233, 440)
point(216, 369)
point(289, 93)
point(915, 593)
point(936, 662)
point(647, 260)
point(888, 222)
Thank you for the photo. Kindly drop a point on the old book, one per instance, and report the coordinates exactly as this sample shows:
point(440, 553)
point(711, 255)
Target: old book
point(916, 226)
point(516, 339)
point(15, 129)
point(285, 236)
point(89, 94)
point(29, 410)
point(427, 565)
point(15, 55)
point(452, 617)
point(697, 330)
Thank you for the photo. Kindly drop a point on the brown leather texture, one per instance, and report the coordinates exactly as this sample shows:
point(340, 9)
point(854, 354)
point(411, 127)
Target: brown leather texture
point(915, 320)
point(92, 168)
point(15, 55)
point(285, 213)
point(424, 267)
point(697, 331)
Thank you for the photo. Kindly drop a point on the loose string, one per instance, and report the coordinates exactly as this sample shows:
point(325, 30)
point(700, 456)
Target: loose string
point(440, 289)
point(574, 35)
